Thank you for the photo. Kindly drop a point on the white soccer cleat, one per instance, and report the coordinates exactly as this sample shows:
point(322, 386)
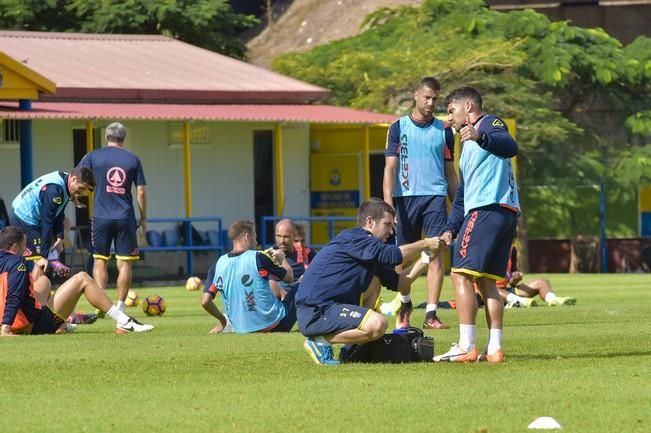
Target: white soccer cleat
point(132, 325)
point(457, 354)
point(391, 308)
point(562, 301)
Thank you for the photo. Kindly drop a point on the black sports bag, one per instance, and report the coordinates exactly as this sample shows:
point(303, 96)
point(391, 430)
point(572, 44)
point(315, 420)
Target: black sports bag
point(403, 345)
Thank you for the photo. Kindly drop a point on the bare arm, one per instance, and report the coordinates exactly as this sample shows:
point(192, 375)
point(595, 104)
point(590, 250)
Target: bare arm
point(141, 197)
point(451, 177)
point(409, 275)
point(208, 304)
point(390, 168)
point(409, 251)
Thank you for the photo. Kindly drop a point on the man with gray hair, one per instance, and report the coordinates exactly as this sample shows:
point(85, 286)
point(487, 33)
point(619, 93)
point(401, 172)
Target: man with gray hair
point(114, 220)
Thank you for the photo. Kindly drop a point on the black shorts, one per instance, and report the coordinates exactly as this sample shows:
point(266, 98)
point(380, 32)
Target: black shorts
point(47, 323)
point(122, 233)
point(330, 319)
point(419, 215)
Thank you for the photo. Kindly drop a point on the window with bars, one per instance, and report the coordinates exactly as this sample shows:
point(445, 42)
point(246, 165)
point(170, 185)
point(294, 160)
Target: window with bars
point(9, 131)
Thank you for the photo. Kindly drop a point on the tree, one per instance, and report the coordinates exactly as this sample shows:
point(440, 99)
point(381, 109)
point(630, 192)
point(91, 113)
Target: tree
point(545, 75)
point(210, 24)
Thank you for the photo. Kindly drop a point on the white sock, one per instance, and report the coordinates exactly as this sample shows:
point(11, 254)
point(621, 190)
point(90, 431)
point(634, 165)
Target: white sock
point(120, 305)
point(405, 298)
point(117, 315)
point(549, 297)
point(321, 340)
point(467, 336)
point(431, 307)
point(494, 341)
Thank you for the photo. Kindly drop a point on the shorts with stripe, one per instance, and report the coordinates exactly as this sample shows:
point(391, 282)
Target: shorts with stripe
point(120, 232)
point(47, 323)
point(330, 319)
point(484, 243)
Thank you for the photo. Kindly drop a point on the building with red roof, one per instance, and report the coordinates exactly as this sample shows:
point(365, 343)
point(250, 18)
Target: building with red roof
point(217, 136)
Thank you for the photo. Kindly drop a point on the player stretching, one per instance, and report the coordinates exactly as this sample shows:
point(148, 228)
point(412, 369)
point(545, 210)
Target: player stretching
point(114, 220)
point(487, 203)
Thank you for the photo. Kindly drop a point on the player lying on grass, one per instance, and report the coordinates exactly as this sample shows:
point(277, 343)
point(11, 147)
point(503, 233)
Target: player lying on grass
point(516, 293)
point(242, 278)
point(26, 306)
point(346, 273)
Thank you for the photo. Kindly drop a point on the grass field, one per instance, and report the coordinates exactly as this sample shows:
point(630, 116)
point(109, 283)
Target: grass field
point(588, 366)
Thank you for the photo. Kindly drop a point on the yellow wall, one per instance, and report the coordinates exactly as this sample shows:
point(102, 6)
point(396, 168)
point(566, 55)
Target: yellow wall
point(17, 81)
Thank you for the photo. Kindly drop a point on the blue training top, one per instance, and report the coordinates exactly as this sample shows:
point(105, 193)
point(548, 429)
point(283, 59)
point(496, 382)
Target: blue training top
point(116, 171)
point(422, 149)
point(486, 173)
point(249, 302)
point(344, 268)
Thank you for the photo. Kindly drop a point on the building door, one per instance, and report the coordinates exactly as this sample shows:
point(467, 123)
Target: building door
point(376, 161)
point(263, 169)
point(82, 217)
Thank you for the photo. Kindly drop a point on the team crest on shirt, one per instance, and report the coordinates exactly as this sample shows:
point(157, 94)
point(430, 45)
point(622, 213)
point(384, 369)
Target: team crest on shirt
point(22, 267)
point(115, 176)
point(219, 284)
point(498, 122)
point(57, 200)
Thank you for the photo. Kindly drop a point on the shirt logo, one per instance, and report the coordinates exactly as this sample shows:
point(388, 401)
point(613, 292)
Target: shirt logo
point(247, 280)
point(116, 177)
point(250, 300)
point(403, 151)
point(22, 267)
point(57, 200)
point(497, 122)
point(219, 284)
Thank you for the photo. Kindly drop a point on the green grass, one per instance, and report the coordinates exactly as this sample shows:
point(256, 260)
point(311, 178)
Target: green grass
point(588, 366)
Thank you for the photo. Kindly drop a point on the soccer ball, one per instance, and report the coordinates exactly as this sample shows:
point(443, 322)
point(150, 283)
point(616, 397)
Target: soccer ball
point(132, 299)
point(154, 305)
point(193, 283)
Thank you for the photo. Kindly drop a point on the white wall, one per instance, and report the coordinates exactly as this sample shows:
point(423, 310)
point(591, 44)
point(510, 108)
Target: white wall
point(222, 170)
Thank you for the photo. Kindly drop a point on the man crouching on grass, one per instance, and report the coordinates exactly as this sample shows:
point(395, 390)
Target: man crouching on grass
point(349, 270)
point(26, 306)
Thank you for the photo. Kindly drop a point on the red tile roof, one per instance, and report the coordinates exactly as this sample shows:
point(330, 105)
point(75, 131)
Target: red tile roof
point(242, 113)
point(150, 68)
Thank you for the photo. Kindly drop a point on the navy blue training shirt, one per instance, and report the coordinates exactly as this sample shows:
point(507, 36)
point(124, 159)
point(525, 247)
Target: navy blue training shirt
point(344, 268)
point(116, 171)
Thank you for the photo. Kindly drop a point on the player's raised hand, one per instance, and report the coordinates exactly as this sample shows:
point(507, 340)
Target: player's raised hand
point(468, 132)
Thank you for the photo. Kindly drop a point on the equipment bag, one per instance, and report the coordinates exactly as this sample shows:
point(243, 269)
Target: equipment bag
point(403, 345)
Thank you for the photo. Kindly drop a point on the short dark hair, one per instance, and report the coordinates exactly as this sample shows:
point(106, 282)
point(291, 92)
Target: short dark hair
point(374, 208)
point(11, 235)
point(429, 82)
point(239, 228)
point(465, 93)
point(85, 175)
point(299, 229)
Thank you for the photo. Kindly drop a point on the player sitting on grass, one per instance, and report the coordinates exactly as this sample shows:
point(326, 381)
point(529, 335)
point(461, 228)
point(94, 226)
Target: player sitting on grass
point(242, 277)
point(349, 270)
point(298, 256)
point(26, 306)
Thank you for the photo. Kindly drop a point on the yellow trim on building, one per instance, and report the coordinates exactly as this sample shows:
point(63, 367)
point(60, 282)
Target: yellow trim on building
point(17, 81)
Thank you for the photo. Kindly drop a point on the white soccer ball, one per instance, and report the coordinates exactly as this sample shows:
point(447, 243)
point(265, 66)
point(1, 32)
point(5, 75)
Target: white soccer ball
point(193, 284)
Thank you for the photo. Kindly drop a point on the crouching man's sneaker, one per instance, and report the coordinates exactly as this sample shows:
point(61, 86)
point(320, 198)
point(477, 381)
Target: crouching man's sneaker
point(320, 353)
point(562, 301)
point(497, 357)
point(132, 325)
point(457, 354)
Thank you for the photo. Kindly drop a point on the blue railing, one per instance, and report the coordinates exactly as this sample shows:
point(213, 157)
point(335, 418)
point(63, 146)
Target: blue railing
point(331, 220)
point(216, 244)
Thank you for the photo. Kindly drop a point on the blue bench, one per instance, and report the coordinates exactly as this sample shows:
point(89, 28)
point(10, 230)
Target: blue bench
point(168, 240)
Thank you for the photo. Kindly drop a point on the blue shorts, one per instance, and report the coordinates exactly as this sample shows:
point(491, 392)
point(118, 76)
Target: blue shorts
point(289, 320)
point(330, 319)
point(484, 244)
point(47, 323)
point(418, 215)
point(104, 232)
point(33, 235)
